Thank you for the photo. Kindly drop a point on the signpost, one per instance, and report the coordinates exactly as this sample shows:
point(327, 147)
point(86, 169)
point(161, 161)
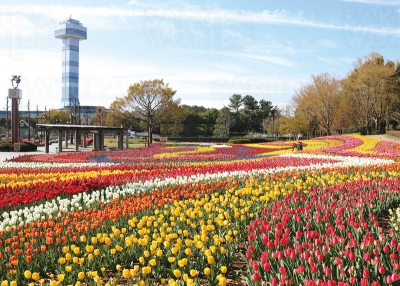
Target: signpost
point(17, 147)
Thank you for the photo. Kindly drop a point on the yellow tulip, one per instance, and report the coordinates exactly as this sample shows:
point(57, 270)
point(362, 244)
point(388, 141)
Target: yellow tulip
point(126, 273)
point(207, 271)
point(35, 276)
point(81, 275)
point(27, 274)
point(223, 269)
point(89, 248)
point(210, 259)
point(146, 270)
point(177, 273)
point(188, 251)
point(153, 262)
point(193, 272)
point(77, 250)
point(222, 281)
point(60, 277)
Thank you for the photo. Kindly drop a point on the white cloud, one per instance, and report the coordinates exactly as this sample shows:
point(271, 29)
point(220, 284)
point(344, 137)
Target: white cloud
point(326, 43)
point(16, 25)
point(259, 58)
point(376, 2)
point(101, 17)
point(167, 29)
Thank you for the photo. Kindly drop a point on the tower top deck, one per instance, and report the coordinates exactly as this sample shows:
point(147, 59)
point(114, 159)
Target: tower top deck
point(71, 28)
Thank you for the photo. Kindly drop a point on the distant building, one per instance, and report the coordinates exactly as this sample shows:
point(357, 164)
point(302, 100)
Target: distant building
point(71, 32)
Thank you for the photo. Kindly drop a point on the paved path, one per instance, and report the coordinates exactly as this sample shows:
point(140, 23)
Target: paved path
point(40, 150)
point(386, 137)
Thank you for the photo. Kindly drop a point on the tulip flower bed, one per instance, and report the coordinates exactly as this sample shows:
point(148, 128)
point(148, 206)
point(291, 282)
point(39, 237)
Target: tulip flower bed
point(298, 218)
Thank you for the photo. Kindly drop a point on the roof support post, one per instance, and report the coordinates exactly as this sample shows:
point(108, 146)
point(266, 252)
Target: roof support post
point(46, 140)
point(77, 139)
point(59, 140)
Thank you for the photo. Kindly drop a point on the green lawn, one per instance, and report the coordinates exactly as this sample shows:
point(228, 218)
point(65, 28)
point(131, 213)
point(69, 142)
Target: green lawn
point(133, 143)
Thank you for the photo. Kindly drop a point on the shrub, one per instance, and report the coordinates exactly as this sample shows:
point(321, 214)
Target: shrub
point(6, 147)
point(28, 147)
point(355, 129)
point(239, 140)
point(393, 133)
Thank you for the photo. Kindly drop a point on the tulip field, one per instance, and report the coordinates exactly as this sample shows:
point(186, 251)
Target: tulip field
point(204, 214)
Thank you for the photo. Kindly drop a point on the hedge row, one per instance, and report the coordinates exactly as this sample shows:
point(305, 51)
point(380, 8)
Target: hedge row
point(24, 147)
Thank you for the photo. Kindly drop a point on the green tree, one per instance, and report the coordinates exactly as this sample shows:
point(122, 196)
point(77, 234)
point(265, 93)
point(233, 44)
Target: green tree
point(250, 103)
point(224, 122)
point(372, 91)
point(235, 102)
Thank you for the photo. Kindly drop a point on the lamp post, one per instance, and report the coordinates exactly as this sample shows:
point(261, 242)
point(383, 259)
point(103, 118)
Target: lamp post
point(15, 95)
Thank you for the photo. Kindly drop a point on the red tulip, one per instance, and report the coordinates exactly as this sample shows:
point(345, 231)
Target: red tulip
point(393, 257)
point(352, 256)
point(381, 269)
point(256, 277)
point(313, 269)
point(282, 270)
point(273, 281)
point(367, 256)
point(267, 267)
point(389, 279)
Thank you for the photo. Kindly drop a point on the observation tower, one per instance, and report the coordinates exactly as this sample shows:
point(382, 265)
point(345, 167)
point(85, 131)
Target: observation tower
point(71, 32)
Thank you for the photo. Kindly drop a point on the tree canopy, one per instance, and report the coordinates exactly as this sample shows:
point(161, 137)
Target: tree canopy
point(151, 102)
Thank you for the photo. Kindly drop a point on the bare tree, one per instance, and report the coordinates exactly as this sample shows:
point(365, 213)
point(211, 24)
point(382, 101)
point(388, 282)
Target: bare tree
point(320, 100)
point(152, 101)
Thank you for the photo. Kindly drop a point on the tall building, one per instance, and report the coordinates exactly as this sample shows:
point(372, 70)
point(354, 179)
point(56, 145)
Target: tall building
point(71, 32)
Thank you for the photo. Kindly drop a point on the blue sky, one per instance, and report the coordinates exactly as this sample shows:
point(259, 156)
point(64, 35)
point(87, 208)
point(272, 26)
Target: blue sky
point(206, 50)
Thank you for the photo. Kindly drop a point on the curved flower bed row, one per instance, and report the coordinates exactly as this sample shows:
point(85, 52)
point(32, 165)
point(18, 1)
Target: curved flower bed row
point(48, 186)
point(302, 218)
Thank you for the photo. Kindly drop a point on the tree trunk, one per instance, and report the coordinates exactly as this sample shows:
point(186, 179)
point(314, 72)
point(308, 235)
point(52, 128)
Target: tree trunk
point(150, 136)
